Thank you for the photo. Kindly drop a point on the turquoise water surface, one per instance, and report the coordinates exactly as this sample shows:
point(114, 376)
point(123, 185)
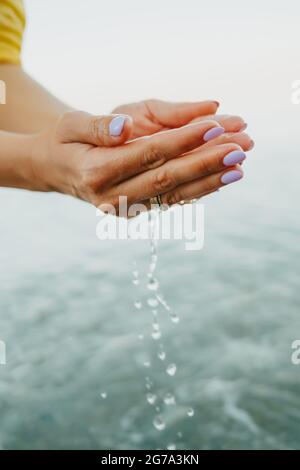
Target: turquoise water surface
point(71, 330)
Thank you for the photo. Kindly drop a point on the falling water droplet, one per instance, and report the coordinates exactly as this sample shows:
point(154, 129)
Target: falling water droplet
point(103, 395)
point(152, 302)
point(171, 369)
point(162, 301)
point(135, 282)
point(161, 355)
point(153, 284)
point(159, 423)
point(148, 384)
point(141, 337)
point(138, 305)
point(156, 335)
point(190, 412)
point(169, 399)
point(147, 364)
point(135, 273)
point(171, 447)
point(155, 325)
point(174, 317)
point(153, 263)
point(151, 398)
point(179, 434)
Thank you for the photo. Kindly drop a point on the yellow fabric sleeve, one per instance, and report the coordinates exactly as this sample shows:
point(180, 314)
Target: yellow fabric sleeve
point(12, 24)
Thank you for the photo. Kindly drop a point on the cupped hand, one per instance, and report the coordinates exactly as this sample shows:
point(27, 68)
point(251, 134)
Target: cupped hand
point(152, 116)
point(82, 156)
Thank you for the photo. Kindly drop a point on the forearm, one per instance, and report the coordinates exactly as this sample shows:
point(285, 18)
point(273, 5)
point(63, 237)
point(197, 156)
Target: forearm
point(29, 107)
point(16, 169)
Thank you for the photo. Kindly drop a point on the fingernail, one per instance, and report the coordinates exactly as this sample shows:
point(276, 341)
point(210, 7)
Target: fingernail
point(233, 158)
point(116, 126)
point(252, 144)
point(244, 127)
point(213, 133)
point(231, 176)
point(217, 103)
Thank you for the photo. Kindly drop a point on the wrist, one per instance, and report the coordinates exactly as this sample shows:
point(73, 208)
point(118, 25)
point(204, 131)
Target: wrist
point(41, 170)
point(16, 165)
point(50, 167)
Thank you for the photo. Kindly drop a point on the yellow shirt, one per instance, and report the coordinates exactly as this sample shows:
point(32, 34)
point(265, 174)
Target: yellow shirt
point(12, 24)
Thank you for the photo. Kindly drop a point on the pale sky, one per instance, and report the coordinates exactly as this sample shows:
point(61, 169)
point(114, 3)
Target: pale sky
point(99, 54)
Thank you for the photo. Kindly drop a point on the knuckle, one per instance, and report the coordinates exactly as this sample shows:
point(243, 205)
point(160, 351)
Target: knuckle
point(205, 166)
point(163, 181)
point(153, 157)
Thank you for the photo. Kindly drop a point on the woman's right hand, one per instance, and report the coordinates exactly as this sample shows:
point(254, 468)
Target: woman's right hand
point(88, 157)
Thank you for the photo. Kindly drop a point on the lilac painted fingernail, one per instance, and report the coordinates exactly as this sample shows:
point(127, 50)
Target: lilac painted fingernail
point(233, 158)
point(231, 176)
point(116, 126)
point(213, 133)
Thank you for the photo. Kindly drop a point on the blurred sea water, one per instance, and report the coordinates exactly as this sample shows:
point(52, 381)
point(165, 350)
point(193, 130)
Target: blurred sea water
point(71, 330)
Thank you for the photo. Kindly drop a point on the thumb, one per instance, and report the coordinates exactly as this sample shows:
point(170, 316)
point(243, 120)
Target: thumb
point(103, 131)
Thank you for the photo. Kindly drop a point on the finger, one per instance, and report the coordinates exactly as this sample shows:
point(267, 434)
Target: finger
point(178, 114)
point(229, 122)
point(107, 131)
point(241, 139)
point(203, 186)
point(147, 153)
point(200, 187)
point(180, 171)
